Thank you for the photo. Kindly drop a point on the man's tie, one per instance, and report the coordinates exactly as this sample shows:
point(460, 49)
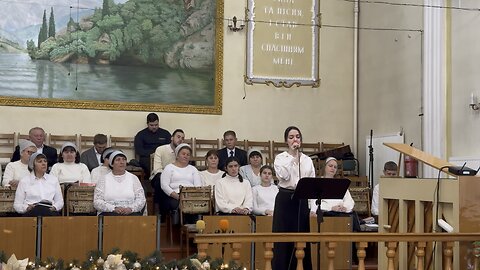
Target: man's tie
point(231, 153)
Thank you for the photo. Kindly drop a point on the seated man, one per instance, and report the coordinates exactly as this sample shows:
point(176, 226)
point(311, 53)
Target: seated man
point(389, 169)
point(148, 139)
point(37, 136)
point(164, 155)
point(91, 157)
point(230, 139)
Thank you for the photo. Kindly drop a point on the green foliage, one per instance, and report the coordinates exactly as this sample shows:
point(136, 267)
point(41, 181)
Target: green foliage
point(110, 23)
point(144, 29)
point(105, 8)
point(31, 48)
point(51, 24)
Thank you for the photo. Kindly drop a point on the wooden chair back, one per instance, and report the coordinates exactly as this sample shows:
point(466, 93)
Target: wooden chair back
point(7, 196)
point(361, 196)
point(125, 144)
point(56, 141)
point(202, 146)
point(311, 148)
point(278, 147)
point(80, 200)
point(265, 148)
point(7, 147)
point(84, 142)
point(195, 200)
point(330, 146)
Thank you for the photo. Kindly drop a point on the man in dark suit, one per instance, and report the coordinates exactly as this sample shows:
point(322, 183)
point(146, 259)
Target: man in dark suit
point(91, 157)
point(230, 139)
point(37, 136)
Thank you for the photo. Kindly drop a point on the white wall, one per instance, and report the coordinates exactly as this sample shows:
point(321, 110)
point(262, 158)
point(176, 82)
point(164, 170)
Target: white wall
point(390, 71)
point(323, 114)
point(465, 70)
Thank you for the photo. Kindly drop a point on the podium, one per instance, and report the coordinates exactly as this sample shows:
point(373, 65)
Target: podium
point(409, 205)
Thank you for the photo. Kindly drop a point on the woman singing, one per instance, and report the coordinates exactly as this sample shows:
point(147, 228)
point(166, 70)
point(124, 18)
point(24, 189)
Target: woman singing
point(291, 215)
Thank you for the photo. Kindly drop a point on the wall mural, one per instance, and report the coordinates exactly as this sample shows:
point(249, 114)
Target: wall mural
point(146, 55)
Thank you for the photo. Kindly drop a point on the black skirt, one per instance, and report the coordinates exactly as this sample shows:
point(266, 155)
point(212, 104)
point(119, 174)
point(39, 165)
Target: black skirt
point(290, 215)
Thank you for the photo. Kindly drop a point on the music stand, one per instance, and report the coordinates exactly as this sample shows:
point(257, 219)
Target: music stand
point(320, 188)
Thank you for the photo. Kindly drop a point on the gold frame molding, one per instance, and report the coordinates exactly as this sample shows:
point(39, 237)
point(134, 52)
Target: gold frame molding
point(131, 106)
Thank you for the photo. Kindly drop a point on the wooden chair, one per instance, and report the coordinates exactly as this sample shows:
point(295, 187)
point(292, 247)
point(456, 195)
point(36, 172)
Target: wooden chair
point(7, 147)
point(126, 144)
point(7, 197)
point(311, 148)
point(80, 200)
point(264, 147)
point(202, 146)
point(278, 147)
point(84, 142)
point(193, 200)
point(56, 141)
point(361, 196)
point(330, 146)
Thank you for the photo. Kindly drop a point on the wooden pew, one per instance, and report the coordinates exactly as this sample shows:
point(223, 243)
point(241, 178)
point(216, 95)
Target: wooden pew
point(18, 235)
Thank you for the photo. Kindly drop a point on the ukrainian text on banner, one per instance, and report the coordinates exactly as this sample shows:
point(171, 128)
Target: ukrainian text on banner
point(282, 42)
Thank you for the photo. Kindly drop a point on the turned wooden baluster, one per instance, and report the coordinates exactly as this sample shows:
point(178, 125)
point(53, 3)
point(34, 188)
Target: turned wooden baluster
point(300, 254)
point(476, 254)
point(202, 251)
point(331, 254)
point(236, 252)
point(391, 250)
point(448, 255)
point(420, 252)
point(361, 254)
point(268, 254)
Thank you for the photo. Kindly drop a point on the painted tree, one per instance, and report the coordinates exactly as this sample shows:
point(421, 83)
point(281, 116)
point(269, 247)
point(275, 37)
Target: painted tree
point(43, 34)
point(105, 8)
point(51, 24)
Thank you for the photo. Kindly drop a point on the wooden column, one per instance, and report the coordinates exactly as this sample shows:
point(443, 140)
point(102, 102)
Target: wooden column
point(268, 255)
point(391, 251)
point(300, 254)
point(331, 254)
point(420, 253)
point(361, 254)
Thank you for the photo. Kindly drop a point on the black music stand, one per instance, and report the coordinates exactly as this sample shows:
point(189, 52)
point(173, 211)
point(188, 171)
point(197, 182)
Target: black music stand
point(321, 188)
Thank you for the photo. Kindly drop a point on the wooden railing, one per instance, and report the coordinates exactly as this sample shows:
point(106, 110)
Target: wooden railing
point(330, 240)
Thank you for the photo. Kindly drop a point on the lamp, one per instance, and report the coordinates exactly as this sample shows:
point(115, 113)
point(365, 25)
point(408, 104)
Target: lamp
point(474, 105)
point(232, 25)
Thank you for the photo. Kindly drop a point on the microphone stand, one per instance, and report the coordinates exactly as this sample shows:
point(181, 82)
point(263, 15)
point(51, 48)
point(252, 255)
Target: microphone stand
point(370, 165)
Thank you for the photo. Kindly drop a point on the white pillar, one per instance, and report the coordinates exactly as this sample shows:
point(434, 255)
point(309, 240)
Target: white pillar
point(434, 83)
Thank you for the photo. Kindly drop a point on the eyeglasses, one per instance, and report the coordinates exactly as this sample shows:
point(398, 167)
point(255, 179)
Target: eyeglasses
point(30, 152)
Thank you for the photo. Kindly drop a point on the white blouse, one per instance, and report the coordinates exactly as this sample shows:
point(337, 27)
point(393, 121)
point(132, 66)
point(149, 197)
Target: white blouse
point(264, 198)
point(119, 191)
point(99, 173)
point(210, 179)
point(248, 174)
point(287, 169)
point(70, 172)
point(32, 190)
point(173, 177)
point(14, 171)
point(230, 193)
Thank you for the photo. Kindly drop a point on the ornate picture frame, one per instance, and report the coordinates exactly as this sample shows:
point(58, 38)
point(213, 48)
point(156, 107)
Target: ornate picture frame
point(181, 79)
point(283, 43)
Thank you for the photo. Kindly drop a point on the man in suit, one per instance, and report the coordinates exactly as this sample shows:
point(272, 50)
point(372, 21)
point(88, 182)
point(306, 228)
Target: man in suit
point(91, 157)
point(37, 136)
point(230, 139)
